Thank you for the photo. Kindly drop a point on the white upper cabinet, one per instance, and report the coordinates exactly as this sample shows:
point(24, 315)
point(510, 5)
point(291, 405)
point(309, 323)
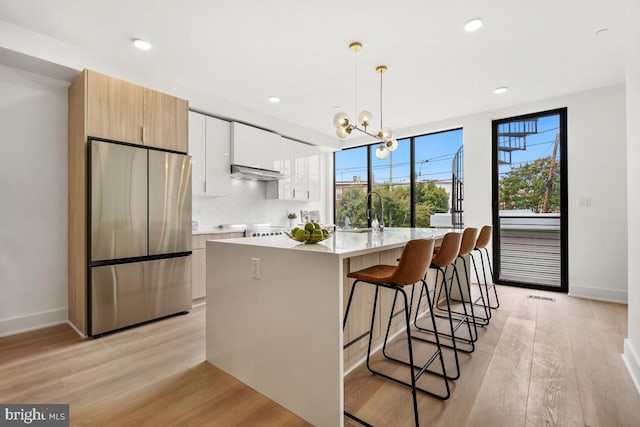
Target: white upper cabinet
point(301, 169)
point(198, 154)
point(209, 146)
point(255, 147)
point(285, 185)
point(218, 147)
point(306, 173)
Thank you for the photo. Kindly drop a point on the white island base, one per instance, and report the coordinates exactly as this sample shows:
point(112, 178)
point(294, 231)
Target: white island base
point(275, 310)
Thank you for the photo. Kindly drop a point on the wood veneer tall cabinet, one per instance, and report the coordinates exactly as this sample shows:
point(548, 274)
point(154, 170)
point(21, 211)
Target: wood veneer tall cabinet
point(105, 107)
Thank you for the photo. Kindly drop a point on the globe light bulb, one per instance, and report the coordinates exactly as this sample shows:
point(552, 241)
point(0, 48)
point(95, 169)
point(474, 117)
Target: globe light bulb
point(343, 132)
point(385, 133)
point(364, 118)
point(381, 152)
point(341, 120)
point(391, 144)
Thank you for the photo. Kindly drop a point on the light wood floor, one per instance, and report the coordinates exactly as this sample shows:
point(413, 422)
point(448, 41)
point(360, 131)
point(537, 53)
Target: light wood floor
point(538, 363)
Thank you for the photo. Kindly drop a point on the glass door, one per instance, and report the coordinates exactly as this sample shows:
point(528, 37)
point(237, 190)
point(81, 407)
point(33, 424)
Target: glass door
point(530, 200)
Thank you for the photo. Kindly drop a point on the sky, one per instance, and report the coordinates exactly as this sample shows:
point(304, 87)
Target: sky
point(538, 145)
point(434, 155)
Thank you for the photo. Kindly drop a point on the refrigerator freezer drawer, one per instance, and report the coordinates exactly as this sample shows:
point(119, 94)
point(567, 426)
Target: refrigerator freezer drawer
point(126, 294)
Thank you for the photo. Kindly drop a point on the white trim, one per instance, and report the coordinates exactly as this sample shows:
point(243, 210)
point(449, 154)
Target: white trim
point(632, 362)
point(30, 322)
point(601, 294)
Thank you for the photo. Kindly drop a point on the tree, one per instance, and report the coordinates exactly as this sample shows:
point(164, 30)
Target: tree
point(396, 200)
point(397, 204)
point(524, 187)
point(430, 199)
point(352, 205)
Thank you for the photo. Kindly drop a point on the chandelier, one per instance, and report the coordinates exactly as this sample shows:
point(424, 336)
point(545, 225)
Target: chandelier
point(343, 124)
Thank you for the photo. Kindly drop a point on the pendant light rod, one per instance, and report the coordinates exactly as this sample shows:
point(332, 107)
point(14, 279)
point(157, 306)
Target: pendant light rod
point(355, 47)
point(381, 69)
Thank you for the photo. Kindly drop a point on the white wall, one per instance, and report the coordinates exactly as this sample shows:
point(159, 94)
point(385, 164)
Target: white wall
point(597, 170)
point(632, 53)
point(33, 195)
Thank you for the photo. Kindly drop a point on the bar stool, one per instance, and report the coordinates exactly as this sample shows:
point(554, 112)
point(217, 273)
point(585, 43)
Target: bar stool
point(469, 239)
point(481, 244)
point(446, 257)
point(411, 269)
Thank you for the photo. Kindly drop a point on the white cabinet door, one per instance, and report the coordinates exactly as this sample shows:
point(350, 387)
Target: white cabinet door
point(307, 172)
point(197, 152)
point(300, 163)
point(209, 143)
point(285, 185)
point(218, 168)
point(255, 147)
point(313, 173)
point(301, 177)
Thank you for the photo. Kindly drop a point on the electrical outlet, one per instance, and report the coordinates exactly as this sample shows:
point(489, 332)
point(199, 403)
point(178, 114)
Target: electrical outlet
point(584, 202)
point(255, 268)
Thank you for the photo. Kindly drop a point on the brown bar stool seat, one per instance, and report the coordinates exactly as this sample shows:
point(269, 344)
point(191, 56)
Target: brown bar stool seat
point(411, 269)
point(446, 257)
point(481, 246)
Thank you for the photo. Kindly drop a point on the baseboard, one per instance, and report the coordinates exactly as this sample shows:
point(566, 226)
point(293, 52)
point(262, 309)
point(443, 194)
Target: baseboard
point(632, 361)
point(30, 322)
point(601, 294)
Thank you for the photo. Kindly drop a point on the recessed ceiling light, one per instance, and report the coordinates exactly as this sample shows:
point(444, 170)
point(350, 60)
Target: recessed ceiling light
point(141, 44)
point(274, 99)
point(473, 24)
point(501, 89)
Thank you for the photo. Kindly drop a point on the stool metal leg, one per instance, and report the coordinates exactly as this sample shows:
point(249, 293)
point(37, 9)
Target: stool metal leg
point(423, 368)
point(411, 364)
point(477, 320)
point(434, 331)
point(485, 303)
point(486, 282)
point(464, 318)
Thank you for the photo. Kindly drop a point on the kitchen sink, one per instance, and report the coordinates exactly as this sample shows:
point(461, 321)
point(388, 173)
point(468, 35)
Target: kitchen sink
point(356, 230)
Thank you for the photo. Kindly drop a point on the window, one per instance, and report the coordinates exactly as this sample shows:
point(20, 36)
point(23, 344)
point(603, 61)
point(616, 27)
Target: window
point(530, 237)
point(391, 179)
point(416, 182)
point(351, 186)
point(435, 177)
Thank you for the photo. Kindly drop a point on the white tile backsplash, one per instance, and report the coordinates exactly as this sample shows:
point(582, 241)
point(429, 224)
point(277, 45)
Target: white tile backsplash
point(247, 205)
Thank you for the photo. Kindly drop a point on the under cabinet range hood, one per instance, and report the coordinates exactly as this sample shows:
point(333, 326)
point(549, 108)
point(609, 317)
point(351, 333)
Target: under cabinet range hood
point(255, 153)
point(256, 174)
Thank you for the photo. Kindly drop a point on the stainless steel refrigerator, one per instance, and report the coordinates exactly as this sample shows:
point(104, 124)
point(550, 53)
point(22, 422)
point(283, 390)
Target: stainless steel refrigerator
point(139, 235)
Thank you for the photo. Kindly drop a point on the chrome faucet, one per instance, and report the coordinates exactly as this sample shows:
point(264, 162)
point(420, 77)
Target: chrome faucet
point(381, 208)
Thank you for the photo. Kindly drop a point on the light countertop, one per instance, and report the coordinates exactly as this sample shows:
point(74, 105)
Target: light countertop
point(346, 244)
point(217, 230)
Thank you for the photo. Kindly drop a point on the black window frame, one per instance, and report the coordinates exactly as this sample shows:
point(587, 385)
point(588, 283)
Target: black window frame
point(412, 172)
point(564, 201)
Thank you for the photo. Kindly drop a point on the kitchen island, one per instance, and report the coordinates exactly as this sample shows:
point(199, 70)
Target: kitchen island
point(275, 309)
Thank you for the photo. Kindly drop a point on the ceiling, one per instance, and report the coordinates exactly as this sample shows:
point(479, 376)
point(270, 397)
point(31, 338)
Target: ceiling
point(228, 56)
